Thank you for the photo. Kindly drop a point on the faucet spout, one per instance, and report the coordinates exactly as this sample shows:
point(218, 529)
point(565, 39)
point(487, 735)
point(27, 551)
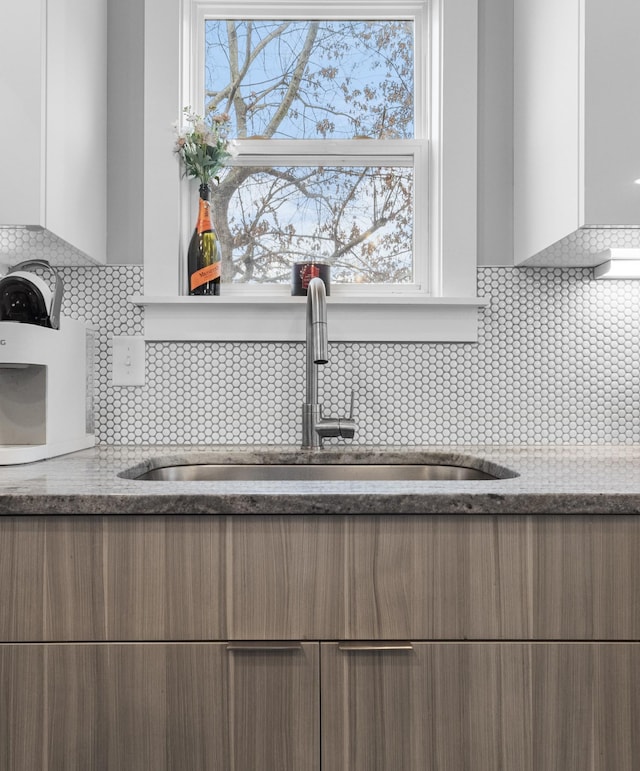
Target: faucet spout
point(314, 426)
point(317, 335)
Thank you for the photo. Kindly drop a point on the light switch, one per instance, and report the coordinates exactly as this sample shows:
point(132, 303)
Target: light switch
point(127, 361)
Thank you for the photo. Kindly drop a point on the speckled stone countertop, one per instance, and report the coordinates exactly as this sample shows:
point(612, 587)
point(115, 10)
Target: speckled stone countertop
point(544, 479)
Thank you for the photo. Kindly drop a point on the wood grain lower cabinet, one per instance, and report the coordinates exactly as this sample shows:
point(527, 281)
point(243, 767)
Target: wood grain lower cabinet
point(158, 707)
point(481, 706)
point(319, 578)
point(431, 707)
point(526, 652)
point(434, 577)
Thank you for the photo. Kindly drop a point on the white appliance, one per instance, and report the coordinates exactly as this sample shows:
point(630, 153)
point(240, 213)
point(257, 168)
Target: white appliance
point(46, 368)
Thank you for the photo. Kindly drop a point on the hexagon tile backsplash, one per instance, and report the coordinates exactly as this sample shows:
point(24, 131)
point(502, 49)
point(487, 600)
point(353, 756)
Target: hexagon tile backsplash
point(557, 362)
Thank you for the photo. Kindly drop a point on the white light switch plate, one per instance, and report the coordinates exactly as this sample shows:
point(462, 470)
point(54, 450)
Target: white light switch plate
point(127, 361)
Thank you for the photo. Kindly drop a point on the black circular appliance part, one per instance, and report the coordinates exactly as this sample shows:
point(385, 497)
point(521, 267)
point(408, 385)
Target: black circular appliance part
point(21, 301)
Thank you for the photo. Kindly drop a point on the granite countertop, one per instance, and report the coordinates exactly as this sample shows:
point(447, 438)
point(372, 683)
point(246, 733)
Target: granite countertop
point(548, 479)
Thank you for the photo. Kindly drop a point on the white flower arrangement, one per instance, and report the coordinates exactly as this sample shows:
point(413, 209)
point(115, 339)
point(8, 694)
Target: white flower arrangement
point(204, 148)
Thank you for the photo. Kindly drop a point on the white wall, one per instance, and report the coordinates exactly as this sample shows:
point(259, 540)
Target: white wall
point(495, 132)
point(125, 30)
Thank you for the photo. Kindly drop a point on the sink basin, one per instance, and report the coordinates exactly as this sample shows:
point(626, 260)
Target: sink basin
point(278, 472)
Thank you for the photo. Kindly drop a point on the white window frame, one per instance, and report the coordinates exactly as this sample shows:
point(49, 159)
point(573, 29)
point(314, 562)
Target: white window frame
point(442, 305)
point(411, 153)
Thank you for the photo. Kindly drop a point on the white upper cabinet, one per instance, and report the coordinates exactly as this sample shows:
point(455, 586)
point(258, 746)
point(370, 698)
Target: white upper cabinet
point(53, 91)
point(576, 129)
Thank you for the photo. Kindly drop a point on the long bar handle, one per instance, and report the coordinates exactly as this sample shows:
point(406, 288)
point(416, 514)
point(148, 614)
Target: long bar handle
point(262, 646)
point(373, 646)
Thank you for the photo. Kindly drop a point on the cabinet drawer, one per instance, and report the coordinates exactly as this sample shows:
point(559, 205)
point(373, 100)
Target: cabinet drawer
point(315, 578)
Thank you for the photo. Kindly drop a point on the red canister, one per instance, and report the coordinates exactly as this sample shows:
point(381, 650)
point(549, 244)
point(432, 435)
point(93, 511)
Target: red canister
point(303, 272)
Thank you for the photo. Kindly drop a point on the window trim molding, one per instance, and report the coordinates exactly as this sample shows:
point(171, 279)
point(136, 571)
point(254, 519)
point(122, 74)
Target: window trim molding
point(270, 319)
point(452, 178)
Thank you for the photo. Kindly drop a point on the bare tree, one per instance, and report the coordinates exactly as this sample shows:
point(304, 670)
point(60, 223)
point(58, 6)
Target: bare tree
point(317, 79)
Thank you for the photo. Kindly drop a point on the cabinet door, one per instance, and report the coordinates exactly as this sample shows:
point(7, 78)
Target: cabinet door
point(165, 707)
point(481, 706)
point(66, 66)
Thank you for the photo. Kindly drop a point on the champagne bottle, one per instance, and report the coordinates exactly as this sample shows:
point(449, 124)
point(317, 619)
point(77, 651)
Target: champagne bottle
point(204, 255)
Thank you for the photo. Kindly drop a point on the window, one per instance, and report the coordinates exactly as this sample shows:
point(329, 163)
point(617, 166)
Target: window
point(337, 173)
point(356, 127)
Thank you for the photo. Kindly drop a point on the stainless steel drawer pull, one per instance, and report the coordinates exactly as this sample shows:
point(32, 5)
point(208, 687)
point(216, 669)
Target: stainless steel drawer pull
point(375, 646)
point(262, 646)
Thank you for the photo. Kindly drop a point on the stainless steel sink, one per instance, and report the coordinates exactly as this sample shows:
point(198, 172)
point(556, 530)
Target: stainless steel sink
point(278, 472)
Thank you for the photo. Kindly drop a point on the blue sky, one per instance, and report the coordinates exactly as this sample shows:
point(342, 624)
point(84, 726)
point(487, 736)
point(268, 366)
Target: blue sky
point(358, 65)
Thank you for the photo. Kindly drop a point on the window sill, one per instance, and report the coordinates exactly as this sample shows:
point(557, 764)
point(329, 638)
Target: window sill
point(275, 319)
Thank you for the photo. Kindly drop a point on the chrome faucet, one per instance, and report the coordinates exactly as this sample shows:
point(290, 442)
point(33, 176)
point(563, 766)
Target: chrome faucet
point(314, 426)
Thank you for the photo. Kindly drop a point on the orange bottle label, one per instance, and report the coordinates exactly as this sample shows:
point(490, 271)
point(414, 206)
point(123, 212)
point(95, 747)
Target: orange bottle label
point(208, 273)
point(204, 217)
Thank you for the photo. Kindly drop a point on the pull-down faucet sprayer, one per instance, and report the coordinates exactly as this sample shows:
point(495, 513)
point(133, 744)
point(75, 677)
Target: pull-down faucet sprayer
point(314, 426)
